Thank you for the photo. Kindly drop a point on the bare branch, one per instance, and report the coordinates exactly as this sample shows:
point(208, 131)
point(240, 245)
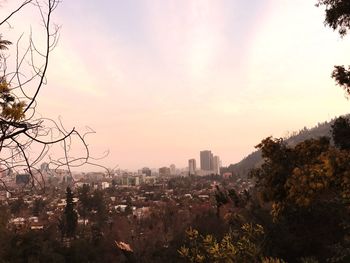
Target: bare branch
point(15, 11)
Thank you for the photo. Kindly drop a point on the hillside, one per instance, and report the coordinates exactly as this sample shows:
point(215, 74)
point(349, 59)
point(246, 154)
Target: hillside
point(254, 159)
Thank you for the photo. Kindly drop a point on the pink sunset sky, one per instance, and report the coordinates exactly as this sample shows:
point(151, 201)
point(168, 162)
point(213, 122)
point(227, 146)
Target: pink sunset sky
point(161, 80)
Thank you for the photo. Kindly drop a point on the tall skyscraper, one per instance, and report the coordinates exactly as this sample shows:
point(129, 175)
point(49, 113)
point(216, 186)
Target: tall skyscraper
point(216, 164)
point(206, 160)
point(192, 166)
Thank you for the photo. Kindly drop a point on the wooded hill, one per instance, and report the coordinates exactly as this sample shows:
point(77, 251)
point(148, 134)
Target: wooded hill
point(254, 160)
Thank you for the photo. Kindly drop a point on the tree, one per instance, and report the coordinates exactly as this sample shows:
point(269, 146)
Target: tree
point(70, 216)
point(308, 189)
point(337, 16)
point(99, 205)
point(85, 204)
point(17, 206)
point(4, 216)
point(38, 206)
point(341, 133)
point(245, 245)
point(22, 76)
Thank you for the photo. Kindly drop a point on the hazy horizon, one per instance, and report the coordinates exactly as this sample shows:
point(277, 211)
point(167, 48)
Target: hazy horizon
point(160, 81)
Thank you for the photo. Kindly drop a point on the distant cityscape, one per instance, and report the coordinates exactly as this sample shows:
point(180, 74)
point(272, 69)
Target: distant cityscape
point(209, 164)
point(153, 204)
point(143, 211)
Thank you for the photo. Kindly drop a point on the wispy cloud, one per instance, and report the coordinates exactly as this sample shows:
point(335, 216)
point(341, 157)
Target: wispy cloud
point(161, 79)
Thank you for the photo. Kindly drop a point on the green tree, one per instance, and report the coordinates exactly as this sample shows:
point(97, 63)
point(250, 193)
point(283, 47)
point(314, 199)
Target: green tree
point(307, 187)
point(341, 133)
point(245, 246)
point(99, 205)
point(221, 199)
point(85, 203)
point(4, 216)
point(17, 206)
point(337, 16)
point(70, 216)
point(38, 206)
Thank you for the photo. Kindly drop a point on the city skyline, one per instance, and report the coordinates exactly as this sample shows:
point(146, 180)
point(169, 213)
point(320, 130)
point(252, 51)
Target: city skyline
point(159, 81)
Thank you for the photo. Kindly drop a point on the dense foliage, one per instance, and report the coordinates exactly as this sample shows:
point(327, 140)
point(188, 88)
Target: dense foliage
point(300, 202)
point(242, 246)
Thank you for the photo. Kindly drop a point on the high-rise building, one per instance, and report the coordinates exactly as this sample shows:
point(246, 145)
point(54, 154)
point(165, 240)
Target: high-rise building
point(172, 169)
point(146, 171)
point(164, 171)
point(216, 164)
point(206, 160)
point(192, 166)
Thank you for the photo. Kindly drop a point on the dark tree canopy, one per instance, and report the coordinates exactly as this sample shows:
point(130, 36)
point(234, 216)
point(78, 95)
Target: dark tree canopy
point(341, 133)
point(70, 215)
point(341, 75)
point(308, 189)
point(337, 16)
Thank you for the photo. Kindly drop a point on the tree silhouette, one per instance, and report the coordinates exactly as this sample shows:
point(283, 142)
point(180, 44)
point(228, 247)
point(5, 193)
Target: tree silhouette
point(84, 205)
point(23, 73)
point(341, 133)
point(337, 16)
point(70, 216)
point(308, 189)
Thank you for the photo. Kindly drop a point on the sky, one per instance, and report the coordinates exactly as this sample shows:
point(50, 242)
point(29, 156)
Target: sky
point(161, 80)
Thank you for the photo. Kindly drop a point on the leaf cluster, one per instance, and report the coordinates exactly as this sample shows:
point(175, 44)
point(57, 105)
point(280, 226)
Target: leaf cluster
point(310, 172)
point(244, 245)
point(11, 108)
point(308, 189)
point(337, 14)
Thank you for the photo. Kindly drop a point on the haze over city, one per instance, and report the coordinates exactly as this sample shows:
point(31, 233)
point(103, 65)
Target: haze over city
point(174, 131)
point(160, 81)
